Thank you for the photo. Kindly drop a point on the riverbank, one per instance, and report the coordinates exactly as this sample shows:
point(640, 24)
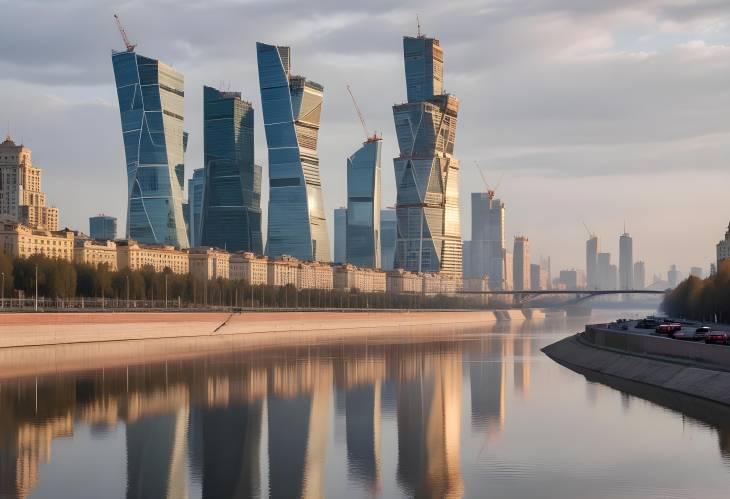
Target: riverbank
point(39, 329)
point(689, 368)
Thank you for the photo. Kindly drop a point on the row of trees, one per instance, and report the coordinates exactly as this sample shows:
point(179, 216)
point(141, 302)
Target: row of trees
point(60, 279)
point(702, 299)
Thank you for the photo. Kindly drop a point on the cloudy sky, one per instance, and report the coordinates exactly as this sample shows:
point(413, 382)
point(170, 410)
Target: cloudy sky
point(607, 111)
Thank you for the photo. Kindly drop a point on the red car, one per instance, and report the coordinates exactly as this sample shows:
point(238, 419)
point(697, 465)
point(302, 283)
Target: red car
point(668, 328)
point(716, 338)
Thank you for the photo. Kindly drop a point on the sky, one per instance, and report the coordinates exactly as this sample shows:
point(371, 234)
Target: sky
point(608, 112)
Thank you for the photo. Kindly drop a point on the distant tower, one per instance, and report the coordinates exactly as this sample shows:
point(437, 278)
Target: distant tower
point(723, 248)
point(292, 106)
point(592, 249)
point(673, 276)
point(521, 263)
point(626, 261)
point(363, 205)
point(151, 96)
point(603, 271)
point(340, 235)
point(232, 201)
point(196, 188)
point(487, 239)
point(103, 227)
point(426, 172)
point(639, 275)
point(388, 236)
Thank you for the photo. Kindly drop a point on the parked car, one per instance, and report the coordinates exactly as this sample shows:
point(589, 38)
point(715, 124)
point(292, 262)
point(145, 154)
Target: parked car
point(716, 338)
point(685, 335)
point(647, 324)
point(701, 332)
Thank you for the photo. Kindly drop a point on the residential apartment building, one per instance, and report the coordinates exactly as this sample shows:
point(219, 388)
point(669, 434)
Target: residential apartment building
point(135, 256)
point(96, 253)
point(18, 240)
point(282, 271)
point(314, 275)
point(349, 277)
point(249, 267)
point(402, 281)
point(208, 263)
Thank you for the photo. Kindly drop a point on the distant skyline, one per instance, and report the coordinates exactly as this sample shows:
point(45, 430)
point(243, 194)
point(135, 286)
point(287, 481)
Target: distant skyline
point(603, 111)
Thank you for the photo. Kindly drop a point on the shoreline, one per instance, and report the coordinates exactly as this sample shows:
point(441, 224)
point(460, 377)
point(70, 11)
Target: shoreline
point(18, 330)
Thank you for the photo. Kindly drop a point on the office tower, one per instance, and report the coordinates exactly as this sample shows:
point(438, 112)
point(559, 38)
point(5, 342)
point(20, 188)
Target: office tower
point(487, 239)
point(521, 264)
point(196, 188)
point(388, 237)
point(713, 268)
point(696, 272)
point(340, 235)
point(538, 277)
point(591, 263)
point(21, 196)
point(291, 107)
point(231, 217)
point(626, 261)
point(603, 269)
point(673, 276)
point(723, 248)
point(363, 205)
point(427, 174)
point(612, 277)
point(150, 97)
point(639, 275)
point(466, 259)
point(103, 227)
point(508, 270)
point(546, 265)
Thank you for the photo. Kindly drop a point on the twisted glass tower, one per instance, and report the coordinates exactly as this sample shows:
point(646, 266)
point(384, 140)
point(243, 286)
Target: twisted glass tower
point(231, 217)
point(426, 173)
point(291, 108)
point(363, 205)
point(151, 107)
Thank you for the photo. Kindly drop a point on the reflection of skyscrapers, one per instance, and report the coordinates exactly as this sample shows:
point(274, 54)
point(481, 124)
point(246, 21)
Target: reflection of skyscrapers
point(521, 366)
point(427, 174)
point(362, 420)
point(626, 262)
point(592, 272)
point(232, 201)
point(487, 246)
point(151, 107)
point(291, 108)
point(487, 379)
point(388, 236)
point(363, 205)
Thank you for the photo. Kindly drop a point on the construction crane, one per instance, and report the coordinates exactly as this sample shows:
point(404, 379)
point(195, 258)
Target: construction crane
point(368, 137)
point(490, 191)
point(591, 235)
point(130, 46)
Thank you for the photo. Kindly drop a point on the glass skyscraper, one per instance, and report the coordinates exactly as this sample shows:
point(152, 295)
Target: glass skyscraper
point(196, 187)
point(291, 107)
point(340, 235)
point(427, 173)
point(231, 217)
point(151, 107)
point(388, 236)
point(103, 227)
point(363, 205)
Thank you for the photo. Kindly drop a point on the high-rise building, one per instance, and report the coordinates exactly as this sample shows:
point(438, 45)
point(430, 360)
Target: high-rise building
point(603, 271)
point(521, 264)
point(388, 237)
point(673, 276)
point(231, 217)
point(21, 196)
point(363, 205)
point(639, 275)
point(426, 172)
point(291, 106)
point(592, 263)
point(151, 98)
point(486, 252)
point(723, 248)
point(696, 272)
point(626, 261)
point(612, 277)
point(340, 235)
point(196, 188)
point(103, 227)
point(538, 277)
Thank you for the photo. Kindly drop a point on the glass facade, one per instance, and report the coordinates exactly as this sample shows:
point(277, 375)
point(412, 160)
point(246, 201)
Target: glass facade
point(388, 236)
point(427, 173)
point(103, 227)
point(487, 247)
point(291, 107)
point(196, 187)
point(231, 216)
point(340, 235)
point(363, 205)
point(151, 99)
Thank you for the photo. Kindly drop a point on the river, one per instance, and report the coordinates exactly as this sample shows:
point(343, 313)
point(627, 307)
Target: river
point(467, 412)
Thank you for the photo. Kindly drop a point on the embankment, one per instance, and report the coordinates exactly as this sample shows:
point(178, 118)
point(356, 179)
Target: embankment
point(692, 369)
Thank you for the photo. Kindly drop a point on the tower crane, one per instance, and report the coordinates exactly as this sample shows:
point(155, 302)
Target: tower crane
point(130, 46)
point(591, 235)
point(368, 137)
point(490, 191)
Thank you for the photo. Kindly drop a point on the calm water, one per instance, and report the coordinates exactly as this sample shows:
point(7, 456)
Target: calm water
point(462, 413)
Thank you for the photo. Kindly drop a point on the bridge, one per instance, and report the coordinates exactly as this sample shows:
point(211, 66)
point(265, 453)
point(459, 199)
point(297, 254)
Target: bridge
point(580, 294)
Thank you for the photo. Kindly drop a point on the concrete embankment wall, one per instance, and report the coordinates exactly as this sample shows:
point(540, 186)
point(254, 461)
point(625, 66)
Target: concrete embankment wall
point(671, 373)
point(36, 329)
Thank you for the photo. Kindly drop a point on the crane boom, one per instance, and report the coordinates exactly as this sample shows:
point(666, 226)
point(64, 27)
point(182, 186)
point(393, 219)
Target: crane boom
point(359, 114)
point(590, 234)
point(130, 46)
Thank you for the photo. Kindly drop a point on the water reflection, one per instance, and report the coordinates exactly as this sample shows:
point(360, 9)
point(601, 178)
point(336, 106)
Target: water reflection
point(416, 413)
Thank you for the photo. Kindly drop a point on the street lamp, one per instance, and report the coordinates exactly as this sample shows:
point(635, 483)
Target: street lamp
point(127, 290)
point(36, 288)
